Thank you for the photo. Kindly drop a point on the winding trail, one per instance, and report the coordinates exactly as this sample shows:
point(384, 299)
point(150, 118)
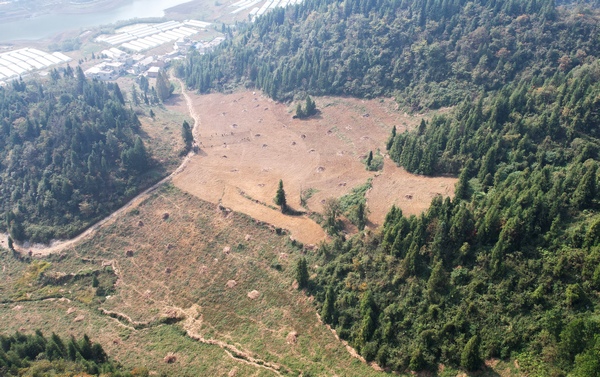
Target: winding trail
point(57, 246)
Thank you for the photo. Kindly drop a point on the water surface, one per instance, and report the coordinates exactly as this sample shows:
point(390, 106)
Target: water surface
point(49, 24)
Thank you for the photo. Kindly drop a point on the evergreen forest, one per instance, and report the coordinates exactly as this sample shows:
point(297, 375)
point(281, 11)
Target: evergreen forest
point(70, 153)
point(426, 53)
point(509, 267)
point(37, 355)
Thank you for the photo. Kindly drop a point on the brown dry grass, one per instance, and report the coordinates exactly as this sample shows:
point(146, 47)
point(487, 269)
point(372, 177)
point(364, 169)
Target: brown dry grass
point(189, 244)
point(248, 142)
point(278, 329)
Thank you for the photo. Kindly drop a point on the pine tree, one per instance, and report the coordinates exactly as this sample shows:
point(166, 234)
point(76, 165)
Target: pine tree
point(119, 95)
point(85, 346)
point(136, 158)
point(369, 159)
point(586, 190)
point(328, 310)
point(280, 197)
point(368, 323)
point(163, 86)
point(186, 133)
point(311, 107)
point(134, 95)
point(302, 273)
point(72, 350)
point(16, 230)
point(361, 215)
point(154, 96)
point(331, 210)
point(390, 141)
point(422, 127)
point(462, 186)
point(144, 84)
point(300, 114)
point(470, 359)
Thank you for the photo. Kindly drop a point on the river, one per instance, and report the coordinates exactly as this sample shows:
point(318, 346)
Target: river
point(49, 24)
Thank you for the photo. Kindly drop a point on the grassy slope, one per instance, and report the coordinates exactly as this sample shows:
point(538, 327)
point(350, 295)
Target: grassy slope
point(197, 233)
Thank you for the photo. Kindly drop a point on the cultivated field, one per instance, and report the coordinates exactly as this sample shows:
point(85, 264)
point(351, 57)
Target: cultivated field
point(249, 142)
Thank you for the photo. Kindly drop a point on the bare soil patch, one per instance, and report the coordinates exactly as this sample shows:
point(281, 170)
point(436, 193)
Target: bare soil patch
point(249, 142)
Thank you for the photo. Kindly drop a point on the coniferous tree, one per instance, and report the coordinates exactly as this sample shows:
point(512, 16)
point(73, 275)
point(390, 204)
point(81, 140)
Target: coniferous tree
point(302, 273)
point(470, 359)
point(368, 322)
point(163, 86)
point(144, 84)
point(280, 197)
point(331, 211)
point(118, 94)
point(188, 137)
point(328, 309)
point(134, 95)
point(390, 141)
point(361, 215)
point(300, 114)
point(422, 127)
point(462, 186)
point(311, 107)
point(586, 189)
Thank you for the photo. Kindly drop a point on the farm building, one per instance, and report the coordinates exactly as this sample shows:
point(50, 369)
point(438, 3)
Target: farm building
point(152, 72)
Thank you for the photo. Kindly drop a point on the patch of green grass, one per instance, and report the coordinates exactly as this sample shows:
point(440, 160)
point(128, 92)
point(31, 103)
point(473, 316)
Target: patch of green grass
point(305, 195)
point(245, 195)
point(355, 196)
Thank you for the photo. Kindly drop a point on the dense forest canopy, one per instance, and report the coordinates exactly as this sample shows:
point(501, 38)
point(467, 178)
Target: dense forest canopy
point(70, 152)
point(511, 266)
point(38, 355)
point(427, 53)
point(512, 262)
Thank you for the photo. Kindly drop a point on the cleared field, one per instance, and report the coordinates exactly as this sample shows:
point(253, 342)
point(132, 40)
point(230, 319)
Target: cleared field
point(249, 142)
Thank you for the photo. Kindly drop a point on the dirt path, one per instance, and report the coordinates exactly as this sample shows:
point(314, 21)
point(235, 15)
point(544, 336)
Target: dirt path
point(60, 245)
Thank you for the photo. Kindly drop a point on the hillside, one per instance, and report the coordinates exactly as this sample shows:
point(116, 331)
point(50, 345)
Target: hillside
point(71, 153)
point(508, 268)
point(174, 277)
point(426, 53)
point(502, 278)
